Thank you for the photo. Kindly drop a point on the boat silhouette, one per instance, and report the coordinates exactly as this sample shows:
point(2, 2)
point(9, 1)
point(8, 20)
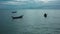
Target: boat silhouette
point(14, 12)
point(17, 17)
point(45, 15)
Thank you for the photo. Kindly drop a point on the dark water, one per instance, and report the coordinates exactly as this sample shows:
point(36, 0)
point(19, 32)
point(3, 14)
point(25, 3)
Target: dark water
point(33, 22)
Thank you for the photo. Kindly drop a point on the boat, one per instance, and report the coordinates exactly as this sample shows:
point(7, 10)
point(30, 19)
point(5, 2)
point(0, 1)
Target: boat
point(45, 15)
point(14, 12)
point(17, 17)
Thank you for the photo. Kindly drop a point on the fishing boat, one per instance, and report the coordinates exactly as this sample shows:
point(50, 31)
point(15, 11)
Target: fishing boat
point(17, 17)
point(14, 12)
point(45, 15)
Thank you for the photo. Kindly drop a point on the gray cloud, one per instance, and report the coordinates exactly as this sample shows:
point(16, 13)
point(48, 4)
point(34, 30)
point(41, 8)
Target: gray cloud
point(29, 4)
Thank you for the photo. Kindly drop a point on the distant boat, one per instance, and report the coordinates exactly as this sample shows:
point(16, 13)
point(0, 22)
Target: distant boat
point(17, 17)
point(14, 12)
point(45, 15)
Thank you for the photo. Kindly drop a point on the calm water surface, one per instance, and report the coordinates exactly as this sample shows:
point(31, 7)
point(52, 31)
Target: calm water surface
point(33, 22)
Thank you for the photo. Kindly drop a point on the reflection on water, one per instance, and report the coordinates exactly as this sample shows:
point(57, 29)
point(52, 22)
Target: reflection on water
point(33, 22)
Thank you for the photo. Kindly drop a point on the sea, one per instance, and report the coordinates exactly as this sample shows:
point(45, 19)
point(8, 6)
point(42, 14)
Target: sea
point(33, 21)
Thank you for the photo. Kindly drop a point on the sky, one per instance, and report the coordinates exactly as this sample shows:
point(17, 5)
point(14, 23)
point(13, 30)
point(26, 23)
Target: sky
point(29, 4)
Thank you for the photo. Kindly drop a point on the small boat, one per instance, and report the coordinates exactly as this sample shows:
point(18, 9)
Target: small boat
point(17, 17)
point(14, 12)
point(45, 15)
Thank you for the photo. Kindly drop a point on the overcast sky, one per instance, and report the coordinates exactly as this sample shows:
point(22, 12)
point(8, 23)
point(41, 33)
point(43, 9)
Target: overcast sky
point(41, 4)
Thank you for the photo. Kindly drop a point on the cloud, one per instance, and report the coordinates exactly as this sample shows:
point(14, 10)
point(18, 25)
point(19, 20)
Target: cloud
point(21, 0)
point(16, 2)
point(13, 2)
point(30, 4)
point(24, 2)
